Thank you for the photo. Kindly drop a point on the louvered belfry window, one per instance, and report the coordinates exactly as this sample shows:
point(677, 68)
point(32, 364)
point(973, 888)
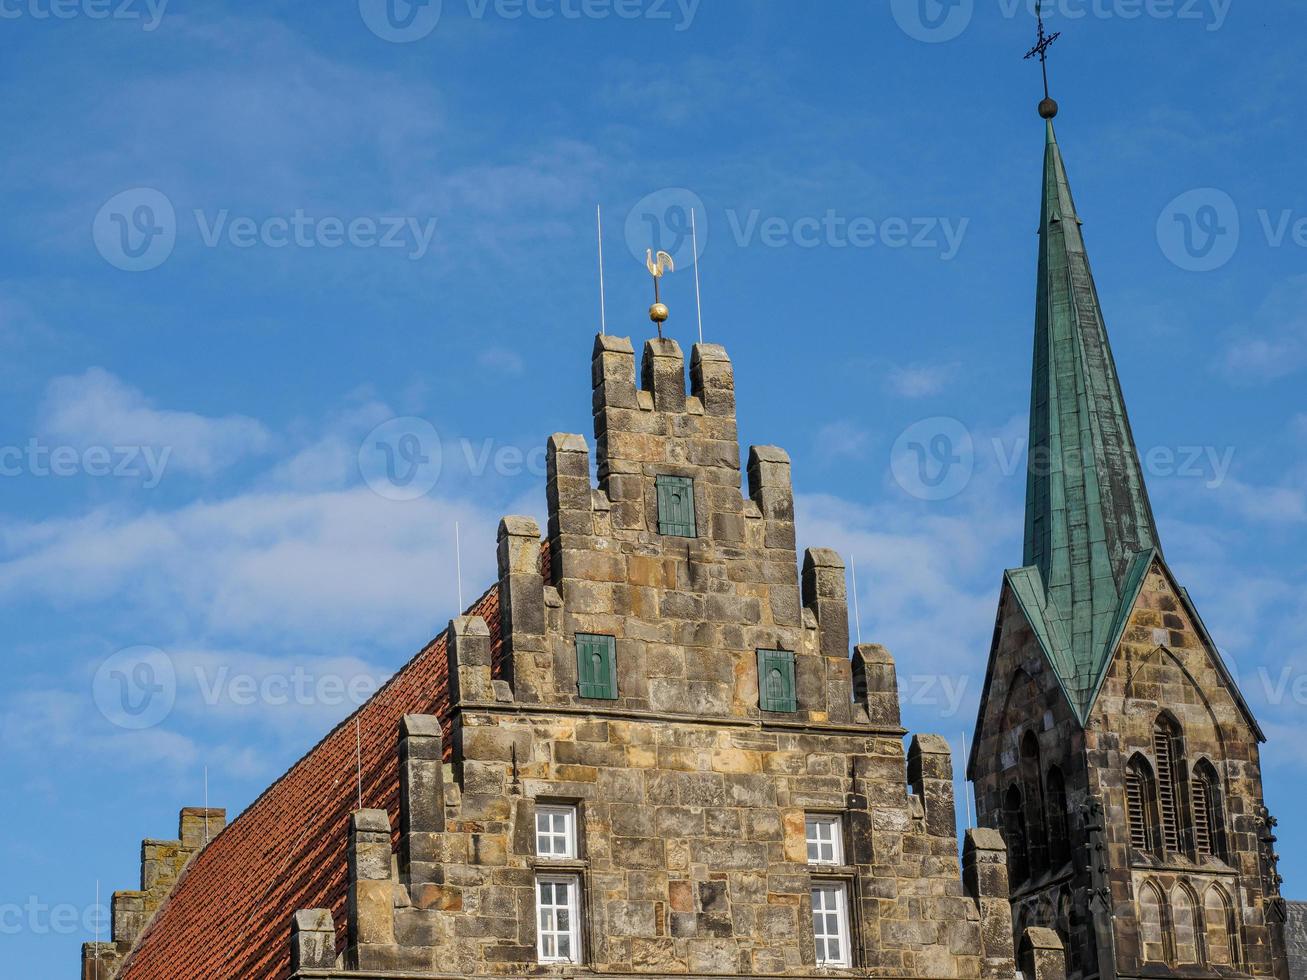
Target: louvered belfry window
point(676, 506)
point(1140, 806)
point(1164, 747)
point(1205, 795)
point(1202, 818)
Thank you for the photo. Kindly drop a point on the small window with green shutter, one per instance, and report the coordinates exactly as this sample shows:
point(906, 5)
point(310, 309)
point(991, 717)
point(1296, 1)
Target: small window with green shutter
point(776, 681)
point(596, 666)
point(676, 506)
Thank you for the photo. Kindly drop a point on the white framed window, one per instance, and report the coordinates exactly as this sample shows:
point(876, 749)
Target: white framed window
point(556, 832)
point(830, 924)
point(558, 920)
point(825, 838)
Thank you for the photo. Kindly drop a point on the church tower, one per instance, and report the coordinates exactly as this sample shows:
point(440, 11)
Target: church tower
point(1113, 748)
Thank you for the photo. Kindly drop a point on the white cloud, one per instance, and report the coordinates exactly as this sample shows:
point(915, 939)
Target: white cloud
point(1274, 345)
point(840, 440)
point(501, 360)
point(347, 564)
point(98, 409)
point(920, 380)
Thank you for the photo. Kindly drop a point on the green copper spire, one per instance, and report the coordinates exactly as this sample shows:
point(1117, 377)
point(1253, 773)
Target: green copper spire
point(1088, 519)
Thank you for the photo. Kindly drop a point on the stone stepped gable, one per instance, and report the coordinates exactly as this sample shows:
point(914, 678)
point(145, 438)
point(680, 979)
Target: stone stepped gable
point(646, 751)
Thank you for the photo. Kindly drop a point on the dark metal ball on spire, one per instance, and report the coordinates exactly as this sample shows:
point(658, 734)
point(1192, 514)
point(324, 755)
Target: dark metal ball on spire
point(1048, 109)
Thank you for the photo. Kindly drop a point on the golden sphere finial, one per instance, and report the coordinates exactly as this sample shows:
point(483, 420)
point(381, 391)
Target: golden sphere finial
point(659, 313)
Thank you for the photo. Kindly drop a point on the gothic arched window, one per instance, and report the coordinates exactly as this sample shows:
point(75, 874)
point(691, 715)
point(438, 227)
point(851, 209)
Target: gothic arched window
point(1014, 832)
point(1141, 804)
point(1218, 925)
point(1209, 817)
point(1184, 918)
point(1059, 842)
point(1032, 787)
point(1168, 751)
point(1152, 924)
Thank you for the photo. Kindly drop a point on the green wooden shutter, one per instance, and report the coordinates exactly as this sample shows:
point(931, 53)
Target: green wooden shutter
point(676, 506)
point(596, 666)
point(776, 681)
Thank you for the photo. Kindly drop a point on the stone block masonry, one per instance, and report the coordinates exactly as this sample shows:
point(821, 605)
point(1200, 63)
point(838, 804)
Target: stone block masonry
point(686, 777)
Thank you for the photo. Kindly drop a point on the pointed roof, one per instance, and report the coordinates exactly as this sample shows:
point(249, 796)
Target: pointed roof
point(1089, 523)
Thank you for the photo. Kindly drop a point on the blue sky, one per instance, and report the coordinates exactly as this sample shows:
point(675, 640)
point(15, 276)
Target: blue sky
point(238, 238)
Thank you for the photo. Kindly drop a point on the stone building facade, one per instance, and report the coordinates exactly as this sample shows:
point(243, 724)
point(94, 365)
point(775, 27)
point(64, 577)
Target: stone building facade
point(1113, 748)
point(653, 755)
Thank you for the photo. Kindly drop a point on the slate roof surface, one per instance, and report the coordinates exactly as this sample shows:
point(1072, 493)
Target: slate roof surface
point(229, 917)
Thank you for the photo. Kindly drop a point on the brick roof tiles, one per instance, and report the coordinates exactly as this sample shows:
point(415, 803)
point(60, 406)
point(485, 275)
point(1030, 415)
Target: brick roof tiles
point(229, 917)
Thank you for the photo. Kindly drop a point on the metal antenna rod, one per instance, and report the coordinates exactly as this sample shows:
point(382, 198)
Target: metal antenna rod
point(603, 312)
point(358, 757)
point(966, 783)
point(694, 243)
point(458, 566)
point(857, 616)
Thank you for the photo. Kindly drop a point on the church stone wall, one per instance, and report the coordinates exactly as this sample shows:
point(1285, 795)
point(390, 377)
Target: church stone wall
point(690, 798)
point(1024, 697)
point(1162, 665)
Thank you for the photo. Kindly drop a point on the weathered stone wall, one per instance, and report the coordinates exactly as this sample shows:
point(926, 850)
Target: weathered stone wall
point(1296, 940)
point(1162, 664)
point(1023, 695)
point(162, 862)
point(690, 798)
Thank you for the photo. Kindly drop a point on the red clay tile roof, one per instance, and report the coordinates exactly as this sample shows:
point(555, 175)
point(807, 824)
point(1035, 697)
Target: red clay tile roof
point(229, 917)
